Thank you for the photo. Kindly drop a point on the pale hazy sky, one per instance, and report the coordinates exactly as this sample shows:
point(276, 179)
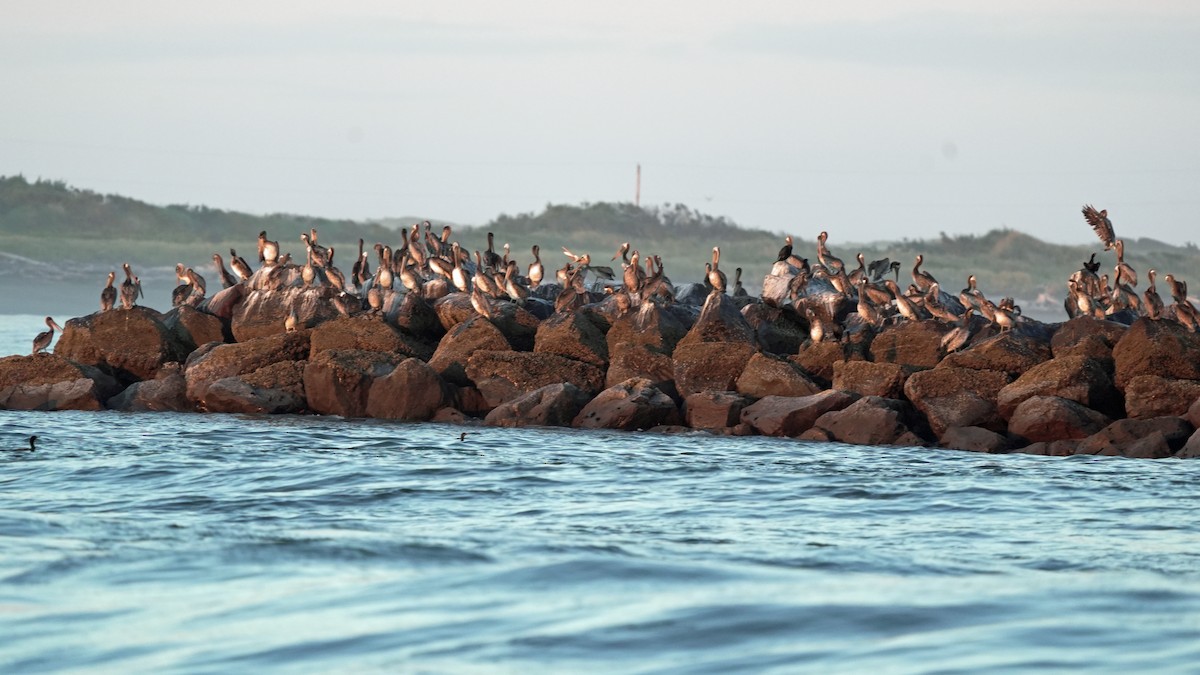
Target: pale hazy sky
point(872, 119)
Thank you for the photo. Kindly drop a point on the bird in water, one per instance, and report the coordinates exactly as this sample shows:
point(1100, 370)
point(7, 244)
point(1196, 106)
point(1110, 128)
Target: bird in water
point(31, 448)
point(42, 341)
point(108, 296)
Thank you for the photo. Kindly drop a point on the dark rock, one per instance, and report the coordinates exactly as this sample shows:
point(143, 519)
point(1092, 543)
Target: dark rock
point(464, 339)
point(554, 405)
point(767, 375)
point(1086, 336)
point(218, 362)
point(412, 391)
point(502, 376)
point(338, 381)
point(193, 328)
point(871, 420)
point(909, 343)
point(1120, 436)
point(713, 410)
point(416, 317)
point(166, 392)
point(957, 397)
point(470, 401)
point(817, 359)
point(1050, 418)
point(790, 415)
point(264, 312)
point(1076, 378)
point(720, 321)
point(223, 303)
point(1193, 414)
point(277, 388)
point(367, 332)
point(571, 335)
point(780, 330)
point(450, 416)
point(974, 439)
point(1191, 449)
point(52, 382)
point(870, 379)
point(518, 325)
point(130, 344)
point(1164, 348)
point(631, 405)
point(453, 309)
point(1010, 352)
point(1154, 396)
point(710, 366)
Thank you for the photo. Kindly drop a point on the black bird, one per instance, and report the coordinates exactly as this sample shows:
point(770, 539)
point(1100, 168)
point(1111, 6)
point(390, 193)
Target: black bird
point(32, 440)
point(786, 251)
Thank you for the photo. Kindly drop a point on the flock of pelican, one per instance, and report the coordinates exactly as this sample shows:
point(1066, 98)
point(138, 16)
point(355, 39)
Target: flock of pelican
point(430, 266)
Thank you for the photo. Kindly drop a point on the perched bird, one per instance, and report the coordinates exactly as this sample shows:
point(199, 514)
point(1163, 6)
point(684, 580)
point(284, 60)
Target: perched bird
point(131, 288)
point(786, 251)
point(1154, 304)
point(240, 267)
point(268, 251)
point(923, 280)
point(957, 338)
point(42, 340)
point(108, 295)
point(537, 271)
point(227, 279)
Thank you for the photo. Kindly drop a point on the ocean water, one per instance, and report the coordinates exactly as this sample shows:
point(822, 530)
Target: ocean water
point(219, 543)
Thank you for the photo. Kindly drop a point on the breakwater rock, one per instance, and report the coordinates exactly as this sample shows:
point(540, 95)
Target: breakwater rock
point(724, 365)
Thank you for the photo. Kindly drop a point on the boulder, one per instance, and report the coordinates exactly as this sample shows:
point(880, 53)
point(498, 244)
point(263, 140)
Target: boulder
point(416, 317)
point(1011, 352)
point(264, 312)
point(464, 339)
point(502, 376)
point(166, 392)
point(710, 366)
point(453, 309)
point(780, 330)
point(866, 378)
point(720, 321)
point(1191, 449)
point(871, 420)
point(130, 344)
point(817, 359)
point(768, 375)
point(222, 304)
point(791, 415)
point(631, 405)
point(367, 332)
point(638, 361)
point(974, 439)
point(277, 388)
point(1050, 418)
point(1153, 396)
point(1193, 414)
point(1063, 448)
point(206, 366)
point(571, 335)
point(1086, 336)
point(1164, 348)
point(338, 381)
point(554, 405)
point(909, 343)
point(412, 391)
point(1148, 438)
point(714, 410)
point(651, 326)
point(193, 328)
point(1076, 378)
point(518, 325)
point(957, 397)
point(52, 382)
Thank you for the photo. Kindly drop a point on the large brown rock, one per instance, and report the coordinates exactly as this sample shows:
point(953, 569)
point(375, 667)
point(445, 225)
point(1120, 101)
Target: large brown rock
point(638, 361)
point(412, 391)
point(130, 344)
point(1076, 378)
point(720, 321)
point(768, 375)
point(713, 410)
point(194, 328)
point(710, 366)
point(518, 325)
point(1153, 396)
point(502, 376)
point(817, 360)
point(277, 388)
point(780, 330)
point(909, 343)
point(338, 381)
point(866, 378)
point(1148, 438)
point(453, 309)
point(464, 339)
point(792, 416)
point(1191, 449)
point(222, 303)
point(263, 312)
point(1163, 348)
point(871, 420)
point(52, 382)
point(416, 317)
point(1050, 418)
point(554, 405)
point(957, 397)
point(1062, 448)
point(974, 439)
point(367, 332)
point(1086, 336)
point(166, 392)
point(572, 335)
point(650, 326)
point(205, 367)
point(631, 405)
point(1010, 352)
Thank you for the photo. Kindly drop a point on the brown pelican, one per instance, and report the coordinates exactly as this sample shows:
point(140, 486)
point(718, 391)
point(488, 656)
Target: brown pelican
point(42, 340)
point(933, 304)
point(444, 243)
point(923, 280)
point(308, 273)
point(1178, 288)
point(1101, 224)
point(537, 271)
point(226, 278)
point(410, 278)
point(489, 256)
point(585, 265)
point(482, 304)
point(1125, 273)
point(622, 253)
point(360, 271)
point(31, 448)
point(859, 272)
point(108, 295)
point(958, 337)
point(969, 296)
point(1154, 304)
point(866, 310)
point(268, 251)
point(239, 266)
point(131, 288)
point(818, 327)
point(825, 256)
point(512, 285)
point(383, 274)
point(458, 275)
point(877, 268)
point(739, 291)
point(320, 254)
point(375, 299)
point(905, 306)
point(786, 251)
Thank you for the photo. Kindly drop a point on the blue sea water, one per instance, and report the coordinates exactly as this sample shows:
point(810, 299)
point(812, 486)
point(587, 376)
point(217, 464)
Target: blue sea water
point(217, 543)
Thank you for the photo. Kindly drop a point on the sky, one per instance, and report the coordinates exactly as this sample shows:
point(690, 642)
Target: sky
point(875, 120)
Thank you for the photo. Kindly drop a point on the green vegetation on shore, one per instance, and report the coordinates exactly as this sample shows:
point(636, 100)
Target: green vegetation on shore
point(50, 221)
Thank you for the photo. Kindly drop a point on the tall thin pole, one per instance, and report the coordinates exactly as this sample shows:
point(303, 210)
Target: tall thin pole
point(637, 195)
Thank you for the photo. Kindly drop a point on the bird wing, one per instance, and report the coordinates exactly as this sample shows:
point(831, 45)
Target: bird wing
point(1101, 224)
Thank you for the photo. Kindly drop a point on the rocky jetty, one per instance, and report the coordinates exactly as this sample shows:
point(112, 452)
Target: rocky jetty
point(804, 361)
